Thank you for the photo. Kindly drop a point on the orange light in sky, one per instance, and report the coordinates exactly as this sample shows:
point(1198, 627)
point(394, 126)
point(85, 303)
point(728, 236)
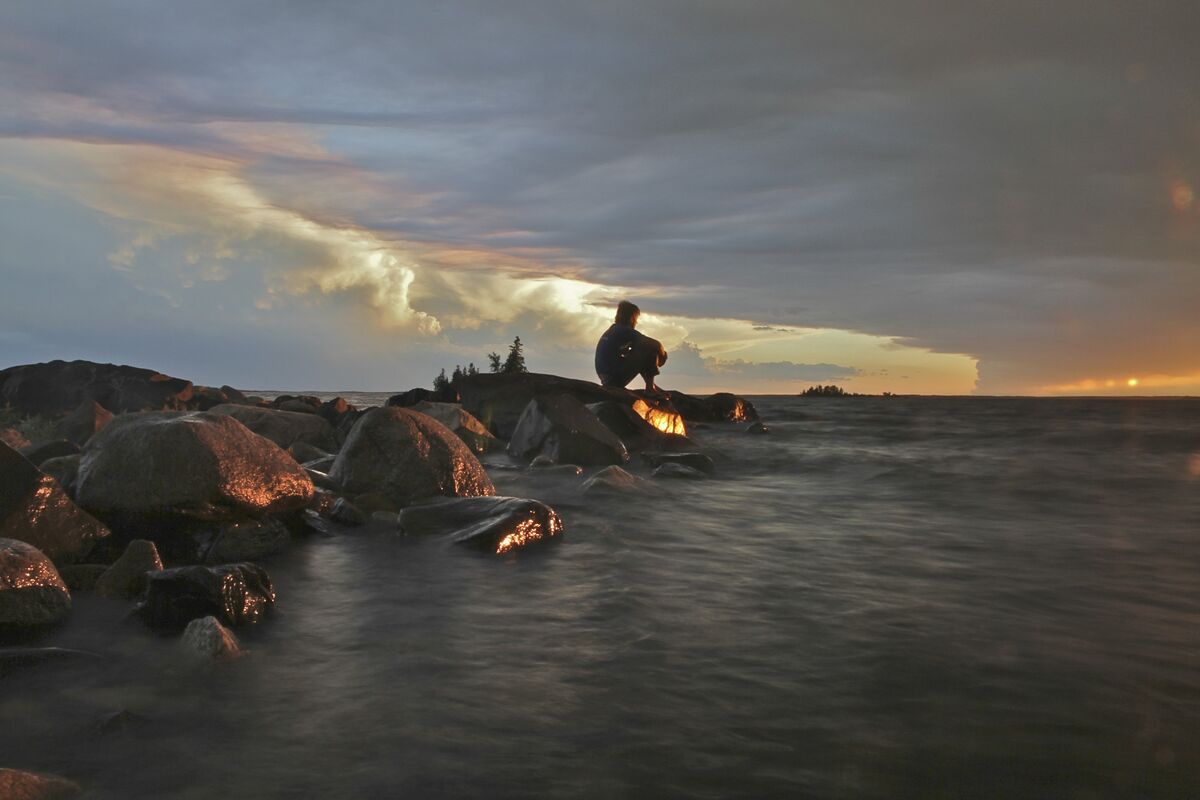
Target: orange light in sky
point(1132, 381)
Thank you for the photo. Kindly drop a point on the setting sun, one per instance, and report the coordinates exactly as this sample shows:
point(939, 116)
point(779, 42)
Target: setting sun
point(1132, 382)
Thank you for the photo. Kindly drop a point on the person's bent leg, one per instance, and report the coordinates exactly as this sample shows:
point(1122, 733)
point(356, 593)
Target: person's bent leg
point(648, 356)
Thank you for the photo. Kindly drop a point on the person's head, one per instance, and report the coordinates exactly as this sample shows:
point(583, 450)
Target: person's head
point(628, 313)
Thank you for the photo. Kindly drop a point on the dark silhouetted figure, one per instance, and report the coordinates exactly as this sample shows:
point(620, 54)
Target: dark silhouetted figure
point(623, 353)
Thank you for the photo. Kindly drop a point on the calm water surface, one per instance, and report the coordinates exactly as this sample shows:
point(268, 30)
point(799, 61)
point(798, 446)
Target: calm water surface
point(882, 598)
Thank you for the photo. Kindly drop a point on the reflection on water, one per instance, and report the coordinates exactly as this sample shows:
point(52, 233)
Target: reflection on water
point(882, 598)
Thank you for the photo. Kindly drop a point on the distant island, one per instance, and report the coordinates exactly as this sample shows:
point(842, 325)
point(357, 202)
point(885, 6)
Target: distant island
point(836, 391)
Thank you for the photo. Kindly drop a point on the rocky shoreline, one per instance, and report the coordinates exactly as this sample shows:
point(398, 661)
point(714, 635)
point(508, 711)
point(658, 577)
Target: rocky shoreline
point(137, 485)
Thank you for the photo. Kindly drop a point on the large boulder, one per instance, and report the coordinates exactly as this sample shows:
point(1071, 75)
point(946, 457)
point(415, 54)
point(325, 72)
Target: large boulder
point(644, 425)
point(719, 407)
point(88, 418)
point(199, 463)
point(236, 594)
point(456, 418)
point(561, 428)
point(58, 387)
point(284, 428)
point(499, 399)
point(34, 509)
point(418, 395)
point(496, 524)
point(31, 592)
point(407, 456)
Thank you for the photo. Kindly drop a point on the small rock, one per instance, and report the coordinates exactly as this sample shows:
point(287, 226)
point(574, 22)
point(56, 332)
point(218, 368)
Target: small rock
point(207, 638)
point(694, 460)
point(612, 479)
point(236, 594)
point(541, 462)
point(127, 576)
point(16, 784)
point(31, 592)
point(347, 513)
point(678, 471)
point(497, 524)
point(757, 427)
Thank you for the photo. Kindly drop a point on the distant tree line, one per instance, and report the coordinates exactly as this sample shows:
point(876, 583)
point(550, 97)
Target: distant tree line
point(514, 362)
point(824, 391)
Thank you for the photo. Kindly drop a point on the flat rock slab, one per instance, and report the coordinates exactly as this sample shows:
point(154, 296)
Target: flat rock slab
point(34, 509)
point(57, 387)
point(236, 594)
point(166, 462)
point(31, 592)
point(496, 524)
point(406, 456)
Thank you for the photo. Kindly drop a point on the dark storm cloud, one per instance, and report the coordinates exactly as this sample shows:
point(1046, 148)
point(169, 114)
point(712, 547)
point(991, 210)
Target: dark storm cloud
point(986, 178)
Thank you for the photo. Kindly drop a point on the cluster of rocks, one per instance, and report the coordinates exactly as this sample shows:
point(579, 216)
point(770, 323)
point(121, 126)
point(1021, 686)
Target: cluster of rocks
point(146, 489)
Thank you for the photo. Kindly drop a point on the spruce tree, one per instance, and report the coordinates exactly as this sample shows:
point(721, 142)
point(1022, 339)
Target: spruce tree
point(516, 357)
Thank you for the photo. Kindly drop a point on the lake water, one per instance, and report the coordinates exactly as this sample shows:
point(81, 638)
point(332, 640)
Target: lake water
point(884, 597)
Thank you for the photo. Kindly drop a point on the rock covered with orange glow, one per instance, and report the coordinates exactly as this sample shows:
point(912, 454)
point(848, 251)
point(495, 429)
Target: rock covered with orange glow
point(16, 784)
point(88, 419)
point(34, 509)
point(563, 429)
point(196, 463)
point(407, 456)
point(236, 594)
point(719, 407)
point(496, 524)
point(31, 592)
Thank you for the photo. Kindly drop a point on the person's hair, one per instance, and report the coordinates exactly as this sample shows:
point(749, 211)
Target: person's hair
point(626, 311)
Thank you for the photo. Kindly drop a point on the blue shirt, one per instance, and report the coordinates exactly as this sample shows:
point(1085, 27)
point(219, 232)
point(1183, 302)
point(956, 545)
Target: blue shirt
point(611, 349)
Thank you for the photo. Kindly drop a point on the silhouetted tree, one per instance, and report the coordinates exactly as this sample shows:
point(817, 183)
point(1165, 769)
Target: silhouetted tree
point(516, 357)
point(824, 391)
point(471, 369)
point(494, 362)
point(441, 383)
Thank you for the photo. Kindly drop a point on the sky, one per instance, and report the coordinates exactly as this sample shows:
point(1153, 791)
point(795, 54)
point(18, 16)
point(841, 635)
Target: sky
point(917, 197)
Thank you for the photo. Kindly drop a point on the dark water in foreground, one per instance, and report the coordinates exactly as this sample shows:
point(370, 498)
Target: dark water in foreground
point(883, 598)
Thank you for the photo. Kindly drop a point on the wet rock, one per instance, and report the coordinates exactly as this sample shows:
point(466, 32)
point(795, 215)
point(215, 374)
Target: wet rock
point(678, 471)
point(65, 470)
point(200, 464)
point(248, 540)
point(17, 784)
point(81, 577)
point(496, 524)
point(720, 407)
point(55, 448)
point(560, 427)
point(644, 425)
point(613, 480)
point(694, 460)
point(304, 452)
point(284, 427)
point(208, 639)
point(466, 427)
point(58, 387)
point(88, 419)
point(407, 456)
point(757, 428)
point(127, 576)
point(31, 592)
point(13, 438)
point(322, 480)
point(301, 404)
point(333, 411)
point(346, 513)
point(236, 594)
point(321, 464)
point(35, 509)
